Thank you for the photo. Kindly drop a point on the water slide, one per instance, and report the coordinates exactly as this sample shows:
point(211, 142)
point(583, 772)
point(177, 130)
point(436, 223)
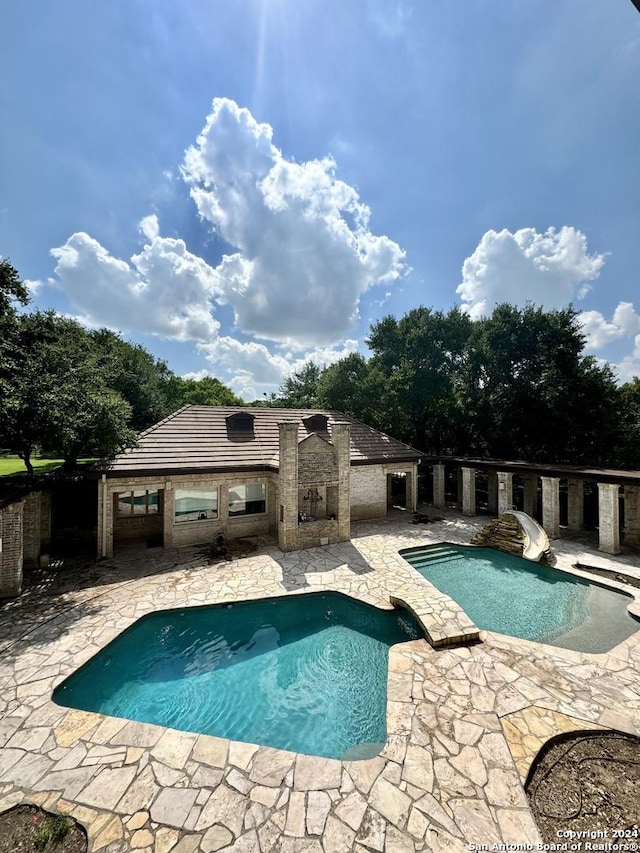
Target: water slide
point(536, 541)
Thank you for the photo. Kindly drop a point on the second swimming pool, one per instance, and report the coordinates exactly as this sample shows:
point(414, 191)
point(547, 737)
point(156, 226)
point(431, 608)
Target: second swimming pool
point(513, 596)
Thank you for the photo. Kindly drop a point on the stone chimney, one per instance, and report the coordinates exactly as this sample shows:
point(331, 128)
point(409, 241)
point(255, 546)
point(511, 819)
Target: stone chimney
point(287, 510)
point(340, 436)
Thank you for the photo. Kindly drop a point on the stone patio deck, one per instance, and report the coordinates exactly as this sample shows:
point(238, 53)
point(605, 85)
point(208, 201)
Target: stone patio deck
point(464, 723)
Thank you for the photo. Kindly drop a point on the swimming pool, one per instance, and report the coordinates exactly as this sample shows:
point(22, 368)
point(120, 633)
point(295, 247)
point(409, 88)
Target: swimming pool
point(513, 596)
point(306, 673)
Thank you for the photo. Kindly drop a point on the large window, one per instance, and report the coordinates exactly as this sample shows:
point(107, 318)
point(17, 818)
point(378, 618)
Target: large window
point(247, 500)
point(196, 504)
point(137, 502)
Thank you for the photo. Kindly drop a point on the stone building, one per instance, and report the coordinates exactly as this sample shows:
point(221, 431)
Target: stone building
point(302, 475)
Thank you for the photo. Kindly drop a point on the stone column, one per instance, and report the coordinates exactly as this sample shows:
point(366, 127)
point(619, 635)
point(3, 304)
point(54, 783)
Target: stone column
point(530, 494)
point(414, 488)
point(45, 520)
point(468, 491)
point(609, 518)
point(11, 550)
point(340, 436)
point(105, 520)
point(459, 487)
point(575, 504)
point(551, 506)
point(31, 531)
point(168, 514)
point(492, 492)
point(288, 486)
point(438, 485)
point(632, 516)
point(505, 491)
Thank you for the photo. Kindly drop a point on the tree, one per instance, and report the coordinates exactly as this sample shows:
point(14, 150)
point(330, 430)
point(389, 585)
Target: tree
point(12, 288)
point(628, 449)
point(420, 357)
point(300, 390)
point(528, 392)
point(207, 391)
point(58, 397)
point(133, 372)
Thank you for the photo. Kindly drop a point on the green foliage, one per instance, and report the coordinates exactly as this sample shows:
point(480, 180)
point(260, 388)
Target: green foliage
point(528, 392)
point(12, 288)
point(55, 393)
point(300, 390)
point(207, 391)
point(628, 448)
point(140, 379)
point(52, 829)
point(72, 392)
point(421, 357)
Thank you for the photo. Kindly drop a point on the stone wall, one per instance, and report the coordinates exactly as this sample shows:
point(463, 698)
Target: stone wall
point(312, 533)
point(368, 492)
point(316, 461)
point(11, 562)
point(125, 531)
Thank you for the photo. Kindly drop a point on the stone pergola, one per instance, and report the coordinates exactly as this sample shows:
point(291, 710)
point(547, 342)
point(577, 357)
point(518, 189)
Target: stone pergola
point(500, 474)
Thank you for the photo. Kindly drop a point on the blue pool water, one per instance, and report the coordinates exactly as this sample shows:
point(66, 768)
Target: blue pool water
point(306, 673)
point(513, 596)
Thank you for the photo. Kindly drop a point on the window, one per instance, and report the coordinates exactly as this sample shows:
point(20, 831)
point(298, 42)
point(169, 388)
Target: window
point(247, 500)
point(195, 504)
point(138, 502)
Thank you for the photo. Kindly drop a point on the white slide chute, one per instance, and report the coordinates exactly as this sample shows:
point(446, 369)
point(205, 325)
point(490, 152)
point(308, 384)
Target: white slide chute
point(536, 541)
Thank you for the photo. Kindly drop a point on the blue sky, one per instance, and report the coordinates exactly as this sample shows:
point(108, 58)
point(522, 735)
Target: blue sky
point(241, 186)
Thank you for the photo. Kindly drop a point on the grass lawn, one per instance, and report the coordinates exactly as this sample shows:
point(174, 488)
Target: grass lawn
point(13, 465)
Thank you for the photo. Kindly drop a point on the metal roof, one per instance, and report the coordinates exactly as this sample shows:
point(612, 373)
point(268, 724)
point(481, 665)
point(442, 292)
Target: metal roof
point(200, 439)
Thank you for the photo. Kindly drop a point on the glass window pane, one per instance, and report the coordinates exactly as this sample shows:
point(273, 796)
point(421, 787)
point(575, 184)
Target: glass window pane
point(153, 503)
point(196, 504)
point(247, 500)
point(140, 502)
point(125, 503)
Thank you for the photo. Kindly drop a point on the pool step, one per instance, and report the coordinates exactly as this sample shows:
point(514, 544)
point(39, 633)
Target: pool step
point(436, 555)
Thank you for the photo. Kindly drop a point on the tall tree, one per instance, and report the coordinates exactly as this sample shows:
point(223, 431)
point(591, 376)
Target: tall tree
point(207, 391)
point(528, 392)
point(300, 390)
point(12, 288)
point(421, 356)
point(58, 396)
point(628, 449)
point(133, 372)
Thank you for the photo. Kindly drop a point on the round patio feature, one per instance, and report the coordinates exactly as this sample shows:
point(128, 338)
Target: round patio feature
point(587, 782)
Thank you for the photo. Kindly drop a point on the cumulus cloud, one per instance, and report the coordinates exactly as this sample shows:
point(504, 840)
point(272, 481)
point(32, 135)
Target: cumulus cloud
point(163, 290)
point(304, 253)
point(625, 323)
point(629, 367)
point(250, 368)
point(550, 269)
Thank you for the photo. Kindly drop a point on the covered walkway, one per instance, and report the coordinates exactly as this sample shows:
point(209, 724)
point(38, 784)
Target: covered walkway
point(546, 492)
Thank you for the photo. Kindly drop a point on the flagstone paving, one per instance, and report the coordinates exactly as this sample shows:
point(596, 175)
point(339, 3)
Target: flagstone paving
point(464, 722)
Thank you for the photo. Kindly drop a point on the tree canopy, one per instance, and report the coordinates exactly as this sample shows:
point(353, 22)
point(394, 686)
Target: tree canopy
point(515, 384)
point(73, 392)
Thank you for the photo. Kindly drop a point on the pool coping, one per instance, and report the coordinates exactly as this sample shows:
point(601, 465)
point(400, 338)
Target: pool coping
point(451, 715)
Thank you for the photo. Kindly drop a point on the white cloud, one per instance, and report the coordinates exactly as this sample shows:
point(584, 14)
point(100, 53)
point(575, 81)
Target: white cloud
point(250, 368)
point(305, 253)
point(629, 367)
point(163, 290)
point(32, 285)
point(549, 269)
point(599, 332)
